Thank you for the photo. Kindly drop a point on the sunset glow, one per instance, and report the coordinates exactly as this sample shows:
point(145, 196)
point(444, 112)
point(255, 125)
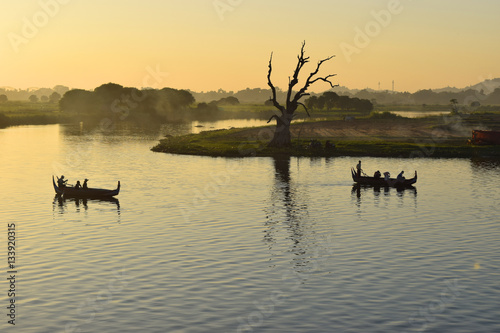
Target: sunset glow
point(207, 45)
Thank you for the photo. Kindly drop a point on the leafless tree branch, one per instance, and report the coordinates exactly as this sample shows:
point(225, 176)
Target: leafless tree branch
point(310, 80)
point(305, 108)
point(273, 89)
point(274, 116)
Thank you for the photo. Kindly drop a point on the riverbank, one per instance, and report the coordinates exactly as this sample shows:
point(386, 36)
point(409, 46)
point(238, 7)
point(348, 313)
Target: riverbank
point(378, 136)
point(15, 113)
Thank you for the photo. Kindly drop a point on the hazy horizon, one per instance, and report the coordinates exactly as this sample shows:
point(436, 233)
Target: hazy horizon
point(32, 88)
point(223, 44)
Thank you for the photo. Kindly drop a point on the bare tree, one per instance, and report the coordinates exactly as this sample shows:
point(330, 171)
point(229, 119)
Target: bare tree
point(282, 137)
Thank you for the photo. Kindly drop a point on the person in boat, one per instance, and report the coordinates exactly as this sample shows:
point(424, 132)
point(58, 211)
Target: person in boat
point(377, 174)
point(61, 182)
point(85, 184)
point(400, 177)
point(358, 169)
point(387, 175)
point(78, 185)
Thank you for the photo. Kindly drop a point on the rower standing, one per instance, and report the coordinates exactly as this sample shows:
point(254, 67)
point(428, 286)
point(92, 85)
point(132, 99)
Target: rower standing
point(358, 168)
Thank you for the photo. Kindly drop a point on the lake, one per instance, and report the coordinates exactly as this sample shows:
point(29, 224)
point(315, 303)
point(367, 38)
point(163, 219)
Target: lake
point(201, 244)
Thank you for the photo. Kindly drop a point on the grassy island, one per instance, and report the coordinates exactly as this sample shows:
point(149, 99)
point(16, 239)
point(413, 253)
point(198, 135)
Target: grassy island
point(380, 135)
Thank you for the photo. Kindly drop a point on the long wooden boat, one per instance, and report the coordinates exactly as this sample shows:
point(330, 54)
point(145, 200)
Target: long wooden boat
point(485, 137)
point(391, 182)
point(85, 193)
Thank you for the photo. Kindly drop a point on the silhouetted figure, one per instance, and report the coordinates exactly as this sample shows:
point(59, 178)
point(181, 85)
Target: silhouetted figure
point(78, 185)
point(400, 177)
point(377, 174)
point(61, 183)
point(358, 169)
point(387, 175)
point(85, 184)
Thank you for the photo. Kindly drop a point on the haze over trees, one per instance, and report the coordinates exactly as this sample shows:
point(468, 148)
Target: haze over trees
point(116, 102)
point(24, 94)
point(483, 92)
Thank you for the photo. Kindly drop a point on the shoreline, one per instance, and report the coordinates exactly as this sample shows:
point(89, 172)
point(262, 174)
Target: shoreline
point(361, 138)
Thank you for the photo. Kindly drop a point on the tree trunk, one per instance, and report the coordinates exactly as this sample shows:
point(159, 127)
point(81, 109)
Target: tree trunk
point(282, 136)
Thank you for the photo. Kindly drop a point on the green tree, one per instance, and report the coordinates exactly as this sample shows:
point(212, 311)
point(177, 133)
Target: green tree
point(230, 100)
point(310, 102)
point(4, 120)
point(331, 99)
point(3, 98)
point(54, 97)
point(77, 100)
point(33, 98)
point(344, 103)
point(454, 105)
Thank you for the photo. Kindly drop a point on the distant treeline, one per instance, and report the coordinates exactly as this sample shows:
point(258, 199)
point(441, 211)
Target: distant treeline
point(490, 95)
point(4, 121)
point(42, 94)
point(116, 102)
point(247, 96)
point(465, 97)
point(330, 100)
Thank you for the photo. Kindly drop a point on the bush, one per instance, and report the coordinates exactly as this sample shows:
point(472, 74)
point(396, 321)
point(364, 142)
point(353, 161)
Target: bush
point(384, 115)
point(4, 120)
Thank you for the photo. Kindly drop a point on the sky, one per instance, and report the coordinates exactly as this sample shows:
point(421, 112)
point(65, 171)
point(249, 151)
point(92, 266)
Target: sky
point(205, 45)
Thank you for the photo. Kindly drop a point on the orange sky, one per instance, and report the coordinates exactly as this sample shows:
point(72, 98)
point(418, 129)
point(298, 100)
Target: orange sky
point(212, 44)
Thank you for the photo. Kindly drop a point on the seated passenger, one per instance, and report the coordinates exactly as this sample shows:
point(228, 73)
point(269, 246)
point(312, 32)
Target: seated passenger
point(377, 174)
point(78, 185)
point(61, 182)
point(85, 184)
point(400, 177)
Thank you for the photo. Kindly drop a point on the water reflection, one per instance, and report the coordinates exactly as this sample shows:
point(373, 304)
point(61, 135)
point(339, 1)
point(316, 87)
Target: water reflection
point(287, 213)
point(151, 130)
point(483, 164)
point(360, 191)
point(62, 204)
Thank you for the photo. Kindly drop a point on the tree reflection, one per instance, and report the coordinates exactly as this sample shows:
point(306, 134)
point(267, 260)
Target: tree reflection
point(286, 213)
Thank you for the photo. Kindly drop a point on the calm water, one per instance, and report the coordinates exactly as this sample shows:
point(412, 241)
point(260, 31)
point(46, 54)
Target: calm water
point(418, 114)
point(199, 244)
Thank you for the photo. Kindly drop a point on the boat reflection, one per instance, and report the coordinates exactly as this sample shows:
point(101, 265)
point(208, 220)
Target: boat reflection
point(360, 193)
point(485, 164)
point(358, 189)
point(62, 203)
